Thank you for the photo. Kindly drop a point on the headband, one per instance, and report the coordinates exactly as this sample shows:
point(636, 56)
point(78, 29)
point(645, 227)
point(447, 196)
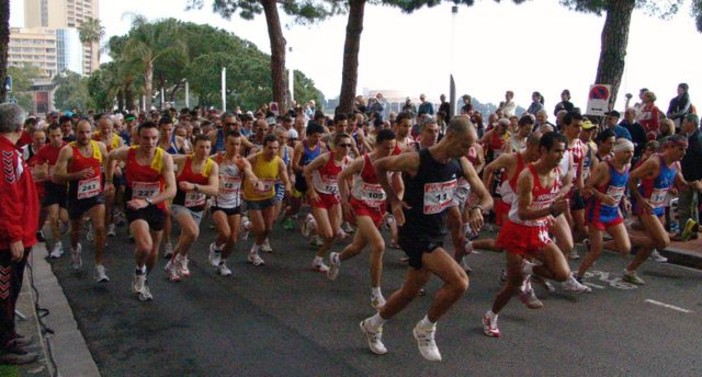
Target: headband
point(623, 145)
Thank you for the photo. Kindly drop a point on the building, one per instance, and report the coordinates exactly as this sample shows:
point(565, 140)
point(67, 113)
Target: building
point(59, 14)
point(69, 50)
point(34, 46)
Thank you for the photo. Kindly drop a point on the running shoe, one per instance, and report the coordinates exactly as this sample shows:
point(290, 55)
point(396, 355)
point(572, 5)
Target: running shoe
point(632, 277)
point(172, 271)
point(528, 297)
point(426, 343)
point(334, 266)
point(464, 264)
point(656, 256)
point(138, 283)
point(57, 250)
point(490, 325)
point(255, 259)
point(346, 227)
point(245, 227)
point(689, 229)
point(215, 255)
point(182, 266)
point(573, 286)
point(319, 266)
point(374, 337)
point(545, 284)
point(573, 255)
point(223, 270)
point(145, 294)
point(168, 250)
point(101, 274)
point(288, 224)
point(316, 241)
point(76, 258)
point(377, 300)
point(111, 230)
point(266, 246)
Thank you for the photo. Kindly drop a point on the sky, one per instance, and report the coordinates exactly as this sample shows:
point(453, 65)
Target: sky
point(536, 46)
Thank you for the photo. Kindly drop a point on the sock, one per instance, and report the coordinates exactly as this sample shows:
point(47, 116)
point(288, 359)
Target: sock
point(528, 268)
point(140, 270)
point(425, 323)
point(318, 259)
point(254, 248)
point(375, 291)
point(491, 314)
point(376, 321)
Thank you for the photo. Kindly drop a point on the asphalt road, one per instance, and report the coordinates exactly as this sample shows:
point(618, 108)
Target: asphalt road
point(284, 320)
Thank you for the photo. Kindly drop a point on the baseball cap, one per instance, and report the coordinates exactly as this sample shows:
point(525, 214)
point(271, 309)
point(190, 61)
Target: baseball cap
point(613, 113)
point(587, 125)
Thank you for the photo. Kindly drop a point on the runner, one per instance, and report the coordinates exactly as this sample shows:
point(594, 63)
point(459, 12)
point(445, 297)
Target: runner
point(150, 184)
point(39, 173)
point(657, 175)
point(197, 177)
point(608, 183)
point(226, 211)
point(112, 141)
point(572, 123)
point(260, 195)
point(54, 192)
point(323, 193)
point(367, 207)
point(430, 179)
point(80, 164)
point(286, 153)
point(525, 235)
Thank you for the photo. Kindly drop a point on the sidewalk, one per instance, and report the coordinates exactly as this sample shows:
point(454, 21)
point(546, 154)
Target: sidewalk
point(63, 351)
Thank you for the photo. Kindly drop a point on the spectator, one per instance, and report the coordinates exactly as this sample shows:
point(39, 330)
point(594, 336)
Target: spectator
point(611, 123)
point(691, 166)
point(565, 103)
point(409, 107)
point(679, 106)
point(444, 106)
point(508, 106)
point(467, 107)
point(19, 219)
point(425, 105)
point(638, 135)
point(650, 116)
point(667, 129)
point(537, 103)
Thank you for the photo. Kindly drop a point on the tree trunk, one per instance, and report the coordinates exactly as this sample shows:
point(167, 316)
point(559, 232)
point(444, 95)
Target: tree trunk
point(120, 100)
point(275, 34)
point(148, 84)
point(615, 37)
point(129, 94)
point(4, 42)
point(349, 73)
point(174, 91)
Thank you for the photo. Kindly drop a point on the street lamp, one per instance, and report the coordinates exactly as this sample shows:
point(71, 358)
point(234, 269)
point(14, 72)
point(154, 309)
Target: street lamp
point(452, 83)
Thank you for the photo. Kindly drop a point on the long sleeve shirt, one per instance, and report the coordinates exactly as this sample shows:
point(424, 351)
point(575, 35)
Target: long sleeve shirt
point(19, 203)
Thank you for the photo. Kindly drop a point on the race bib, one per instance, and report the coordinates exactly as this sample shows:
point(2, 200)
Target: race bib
point(87, 188)
point(372, 195)
point(229, 185)
point(266, 186)
point(194, 199)
point(328, 186)
point(658, 197)
point(143, 190)
point(438, 196)
point(615, 192)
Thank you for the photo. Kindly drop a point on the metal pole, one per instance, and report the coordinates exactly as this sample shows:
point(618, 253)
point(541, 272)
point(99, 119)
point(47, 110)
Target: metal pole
point(163, 98)
point(224, 88)
point(187, 94)
point(452, 84)
point(291, 75)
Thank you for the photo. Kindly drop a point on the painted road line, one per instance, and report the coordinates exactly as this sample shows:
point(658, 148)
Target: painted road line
point(593, 285)
point(673, 307)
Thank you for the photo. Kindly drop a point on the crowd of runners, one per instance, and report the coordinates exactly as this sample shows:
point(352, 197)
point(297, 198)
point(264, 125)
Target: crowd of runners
point(545, 186)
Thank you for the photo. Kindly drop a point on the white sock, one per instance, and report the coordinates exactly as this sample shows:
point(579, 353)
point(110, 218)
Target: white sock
point(318, 259)
point(375, 291)
point(376, 321)
point(491, 314)
point(528, 268)
point(425, 323)
point(254, 248)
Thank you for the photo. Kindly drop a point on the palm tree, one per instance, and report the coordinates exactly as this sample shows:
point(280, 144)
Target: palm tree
point(4, 42)
point(90, 33)
point(147, 43)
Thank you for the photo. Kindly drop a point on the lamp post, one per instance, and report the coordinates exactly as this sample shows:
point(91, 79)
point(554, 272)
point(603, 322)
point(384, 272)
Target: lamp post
point(452, 83)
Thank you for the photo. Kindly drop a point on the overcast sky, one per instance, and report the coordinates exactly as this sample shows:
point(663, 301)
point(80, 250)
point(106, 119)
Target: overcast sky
point(538, 45)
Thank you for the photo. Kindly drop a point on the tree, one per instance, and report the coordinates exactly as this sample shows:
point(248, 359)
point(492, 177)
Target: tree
point(615, 32)
point(71, 91)
point(22, 84)
point(306, 11)
point(147, 44)
point(91, 33)
point(4, 42)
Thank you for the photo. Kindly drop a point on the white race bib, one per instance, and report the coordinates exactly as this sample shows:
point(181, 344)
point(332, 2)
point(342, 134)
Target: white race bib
point(87, 188)
point(266, 186)
point(194, 199)
point(617, 193)
point(658, 197)
point(143, 190)
point(229, 185)
point(438, 196)
point(372, 195)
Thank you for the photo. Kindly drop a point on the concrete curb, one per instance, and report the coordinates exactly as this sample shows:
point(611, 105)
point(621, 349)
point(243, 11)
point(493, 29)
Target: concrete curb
point(67, 344)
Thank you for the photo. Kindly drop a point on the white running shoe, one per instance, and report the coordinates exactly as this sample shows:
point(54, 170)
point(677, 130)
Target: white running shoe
point(266, 246)
point(373, 337)
point(215, 255)
point(111, 230)
point(145, 294)
point(377, 301)
point(573, 255)
point(656, 256)
point(490, 325)
point(182, 266)
point(316, 241)
point(334, 266)
point(223, 270)
point(255, 259)
point(76, 259)
point(172, 271)
point(464, 264)
point(346, 227)
point(101, 274)
point(167, 250)
point(528, 296)
point(138, 283)
point(572, 285)
point(319, 266)
point(57, 250)
point(426, 343)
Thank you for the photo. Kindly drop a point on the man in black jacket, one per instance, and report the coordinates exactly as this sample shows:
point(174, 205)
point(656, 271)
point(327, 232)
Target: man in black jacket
point(692, 171)
point(638, 135)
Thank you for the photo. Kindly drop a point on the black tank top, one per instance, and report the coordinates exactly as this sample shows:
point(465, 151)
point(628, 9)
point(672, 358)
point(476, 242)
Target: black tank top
point(429, 194)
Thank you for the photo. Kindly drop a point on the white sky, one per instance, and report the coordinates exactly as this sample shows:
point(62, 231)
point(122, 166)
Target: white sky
point(538, 45)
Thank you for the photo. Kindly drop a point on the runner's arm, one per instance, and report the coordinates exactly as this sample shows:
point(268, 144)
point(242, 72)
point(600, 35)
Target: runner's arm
point(169, 178)
point(212, 187)
point(646, 169)
point(407, 162)
point(316, 164)
point(502, 162)
point(346, 174)
point(476, 186)
point(61, 169)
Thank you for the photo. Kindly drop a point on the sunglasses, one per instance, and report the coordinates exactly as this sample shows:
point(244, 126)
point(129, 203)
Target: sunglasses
point(345, 145)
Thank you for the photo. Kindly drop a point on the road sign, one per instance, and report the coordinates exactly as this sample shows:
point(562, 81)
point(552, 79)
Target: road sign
point(8, 84)
point(598, 99)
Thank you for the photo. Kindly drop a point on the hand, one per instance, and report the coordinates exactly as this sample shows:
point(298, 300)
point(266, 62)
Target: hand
point(476, 219)
point(17, 251)
point(109, 189)
point(136, 204)
point(627, 206)
point(185, 186)
point(560, 205)
point(646, 206)
point(118, 171)
point(288, 191)
point(258, 186)
point(609, 201)
point(312, 195)
point(398, 206)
